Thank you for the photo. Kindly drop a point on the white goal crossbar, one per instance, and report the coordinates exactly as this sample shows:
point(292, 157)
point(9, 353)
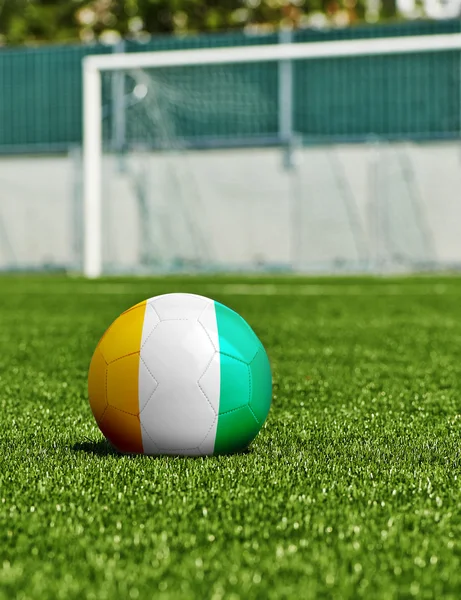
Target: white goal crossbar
point(94, 65)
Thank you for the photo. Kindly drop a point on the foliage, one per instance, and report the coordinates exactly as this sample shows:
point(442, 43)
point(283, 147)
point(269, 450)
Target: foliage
point(350, 491)
point(28, 21)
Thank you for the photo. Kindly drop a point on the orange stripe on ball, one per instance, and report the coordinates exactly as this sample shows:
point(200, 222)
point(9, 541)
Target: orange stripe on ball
point(122, 430)
point(120, 349)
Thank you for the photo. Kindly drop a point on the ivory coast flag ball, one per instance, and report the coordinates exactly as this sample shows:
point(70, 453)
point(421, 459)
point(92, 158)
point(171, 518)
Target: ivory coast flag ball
point(180, 374)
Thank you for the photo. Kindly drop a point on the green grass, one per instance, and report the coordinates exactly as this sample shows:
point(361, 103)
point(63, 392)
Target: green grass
point(351, 490)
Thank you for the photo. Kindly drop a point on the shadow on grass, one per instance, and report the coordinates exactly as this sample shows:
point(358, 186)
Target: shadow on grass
point(99, 448)
point(104, 448)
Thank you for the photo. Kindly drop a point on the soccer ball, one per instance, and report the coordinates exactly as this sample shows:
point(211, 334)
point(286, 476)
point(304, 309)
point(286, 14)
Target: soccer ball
point(180, 374)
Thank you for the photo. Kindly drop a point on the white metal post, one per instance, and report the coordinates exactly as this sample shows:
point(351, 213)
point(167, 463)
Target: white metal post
point(276, 52)
point(286, 92)
point(92, 165)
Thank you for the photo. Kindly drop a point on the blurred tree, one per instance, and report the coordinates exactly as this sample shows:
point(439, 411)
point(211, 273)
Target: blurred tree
point(33, 21)
point(30, 20)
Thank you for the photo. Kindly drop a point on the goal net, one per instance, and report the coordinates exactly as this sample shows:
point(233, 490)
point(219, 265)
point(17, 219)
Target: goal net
point(249, 158)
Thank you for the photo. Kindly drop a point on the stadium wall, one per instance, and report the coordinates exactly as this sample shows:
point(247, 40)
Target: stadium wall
point(241, 204)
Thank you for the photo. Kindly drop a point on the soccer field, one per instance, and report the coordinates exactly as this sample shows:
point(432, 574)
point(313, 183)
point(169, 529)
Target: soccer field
point(351, 490)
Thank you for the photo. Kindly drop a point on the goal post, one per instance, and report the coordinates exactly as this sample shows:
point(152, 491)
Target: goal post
point(96, 65)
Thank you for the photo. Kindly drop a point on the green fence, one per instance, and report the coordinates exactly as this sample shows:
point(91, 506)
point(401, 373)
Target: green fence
point(412, 96)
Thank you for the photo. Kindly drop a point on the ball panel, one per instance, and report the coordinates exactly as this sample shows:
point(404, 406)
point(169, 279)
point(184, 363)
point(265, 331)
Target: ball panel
point(148, 444)
point(179, 415)
point(122, 430)
point(209, 323)
point(178, 352)
point(261, 385)
point(97, 385)
point(236, 337)
point(179, 306)
point(235, 431)
point(124, 335)
point(147, 384)
point(177, 419)
point(122, 384)
point(209, 382)
point(235, 384)
point(181, 451)
point(151, 320)
point(208, 444)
